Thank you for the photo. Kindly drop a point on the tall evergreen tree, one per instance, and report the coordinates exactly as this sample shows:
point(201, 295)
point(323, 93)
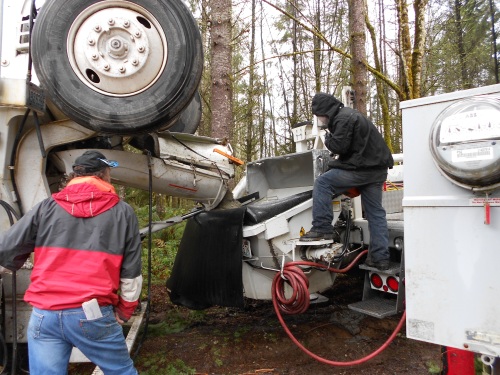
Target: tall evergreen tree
point(221, 69)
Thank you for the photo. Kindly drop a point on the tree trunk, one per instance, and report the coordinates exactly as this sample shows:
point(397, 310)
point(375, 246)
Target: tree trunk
point(419, 7)
point(263, 116)
point(404, 48)
point(494, 42)
point(205, 89)
point(221, 98)
point(160, 205)
point(295, 72)
point(317, 50)
point(358, 52)
point(457, 9)
point(381, 93)
point(249, 118)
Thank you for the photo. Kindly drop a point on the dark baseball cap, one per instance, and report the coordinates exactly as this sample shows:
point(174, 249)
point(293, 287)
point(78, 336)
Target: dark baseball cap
point(93, 161)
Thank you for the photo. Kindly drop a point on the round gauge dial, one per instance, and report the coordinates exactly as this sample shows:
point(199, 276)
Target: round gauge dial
point(464, 142)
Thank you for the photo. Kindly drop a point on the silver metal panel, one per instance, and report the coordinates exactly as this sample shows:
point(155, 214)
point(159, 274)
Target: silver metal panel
point(288, 171)
point(377, 307)
point(392, 201)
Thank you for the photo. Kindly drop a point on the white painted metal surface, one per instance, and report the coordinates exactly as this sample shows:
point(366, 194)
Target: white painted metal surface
point(274, 240)
point(451, 255)
point(31, 180)
point(14, 52)
point(200, 174)
point(191, 169)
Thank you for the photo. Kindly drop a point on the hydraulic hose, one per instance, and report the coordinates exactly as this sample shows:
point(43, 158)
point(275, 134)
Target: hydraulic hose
point(11, 213)
point(150, 238)
point(291, 274)
point(299, 302)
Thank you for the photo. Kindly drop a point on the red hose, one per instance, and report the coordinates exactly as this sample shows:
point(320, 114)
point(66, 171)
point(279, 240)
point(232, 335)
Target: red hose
point(299, 303)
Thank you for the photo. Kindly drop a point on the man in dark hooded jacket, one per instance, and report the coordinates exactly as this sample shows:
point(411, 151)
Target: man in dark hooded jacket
point(362, 163)
point(87, 247)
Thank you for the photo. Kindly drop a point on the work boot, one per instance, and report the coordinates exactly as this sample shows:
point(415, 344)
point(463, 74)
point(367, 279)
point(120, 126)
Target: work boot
point(316, 236)
point(381, 265)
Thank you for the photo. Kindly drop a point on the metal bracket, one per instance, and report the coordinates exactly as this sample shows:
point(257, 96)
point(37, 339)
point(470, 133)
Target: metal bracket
point(35, 98)
point(490, 364)
point(159, 225)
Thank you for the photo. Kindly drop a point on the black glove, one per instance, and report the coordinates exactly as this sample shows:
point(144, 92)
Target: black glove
point(328, 140)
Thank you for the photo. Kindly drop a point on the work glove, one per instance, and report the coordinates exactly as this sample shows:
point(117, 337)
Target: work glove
point(328, 140)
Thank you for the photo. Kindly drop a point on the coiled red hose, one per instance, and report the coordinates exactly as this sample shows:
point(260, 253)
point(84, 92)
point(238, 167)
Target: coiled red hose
point(299, 302)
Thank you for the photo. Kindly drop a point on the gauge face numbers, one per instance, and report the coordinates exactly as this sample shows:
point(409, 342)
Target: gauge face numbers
point(470, 126)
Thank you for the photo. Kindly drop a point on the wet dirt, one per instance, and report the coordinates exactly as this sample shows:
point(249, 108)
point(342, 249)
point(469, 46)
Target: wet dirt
point(252, 341)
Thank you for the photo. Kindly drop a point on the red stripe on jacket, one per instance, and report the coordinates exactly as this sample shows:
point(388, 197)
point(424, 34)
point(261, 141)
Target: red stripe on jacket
point(65, 278)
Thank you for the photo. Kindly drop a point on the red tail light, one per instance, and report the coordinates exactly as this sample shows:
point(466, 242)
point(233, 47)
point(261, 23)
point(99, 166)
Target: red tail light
point(392, 283)
point(376, 280)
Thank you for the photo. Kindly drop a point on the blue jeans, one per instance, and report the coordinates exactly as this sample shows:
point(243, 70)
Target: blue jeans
point(369, 183)
point(53, 333)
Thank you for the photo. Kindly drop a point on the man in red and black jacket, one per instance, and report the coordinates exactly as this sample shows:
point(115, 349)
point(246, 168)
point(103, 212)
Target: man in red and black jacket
point(87, 270)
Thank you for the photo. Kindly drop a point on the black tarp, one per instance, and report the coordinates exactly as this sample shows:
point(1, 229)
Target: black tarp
point(208, 267)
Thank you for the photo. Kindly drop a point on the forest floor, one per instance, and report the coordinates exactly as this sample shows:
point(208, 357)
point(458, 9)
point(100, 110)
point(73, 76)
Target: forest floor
point(252, 341)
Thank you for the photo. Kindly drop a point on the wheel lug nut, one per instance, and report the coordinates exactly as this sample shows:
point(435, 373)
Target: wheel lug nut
point(95, 56)
point(111, 22)
point(137, 34)
point(91, 42)
point(121, 69)
point(126, 23)
point(141, 49)
point(135, 62)
point(106, 67)
point(97, 28)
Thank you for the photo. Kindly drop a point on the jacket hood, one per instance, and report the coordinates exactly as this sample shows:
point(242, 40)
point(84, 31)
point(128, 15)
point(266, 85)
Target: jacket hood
point(326, 105)
point(85, 199)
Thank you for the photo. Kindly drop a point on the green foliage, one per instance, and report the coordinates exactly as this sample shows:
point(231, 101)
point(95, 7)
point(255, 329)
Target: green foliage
point(217, 355)
point(164, 244)
point(175, 321)
point(459, 53)
point(157, 365)
point(478, 365)
point(136, 197)
point(240, 332)
point(162, 259)
point(433, 367)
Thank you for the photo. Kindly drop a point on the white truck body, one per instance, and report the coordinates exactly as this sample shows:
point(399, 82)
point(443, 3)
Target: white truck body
point(451, 254)
point(452, 289)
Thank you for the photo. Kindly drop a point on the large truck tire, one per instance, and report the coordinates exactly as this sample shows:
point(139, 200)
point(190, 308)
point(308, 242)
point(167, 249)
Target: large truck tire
point(190, 118)
point(115, 66)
